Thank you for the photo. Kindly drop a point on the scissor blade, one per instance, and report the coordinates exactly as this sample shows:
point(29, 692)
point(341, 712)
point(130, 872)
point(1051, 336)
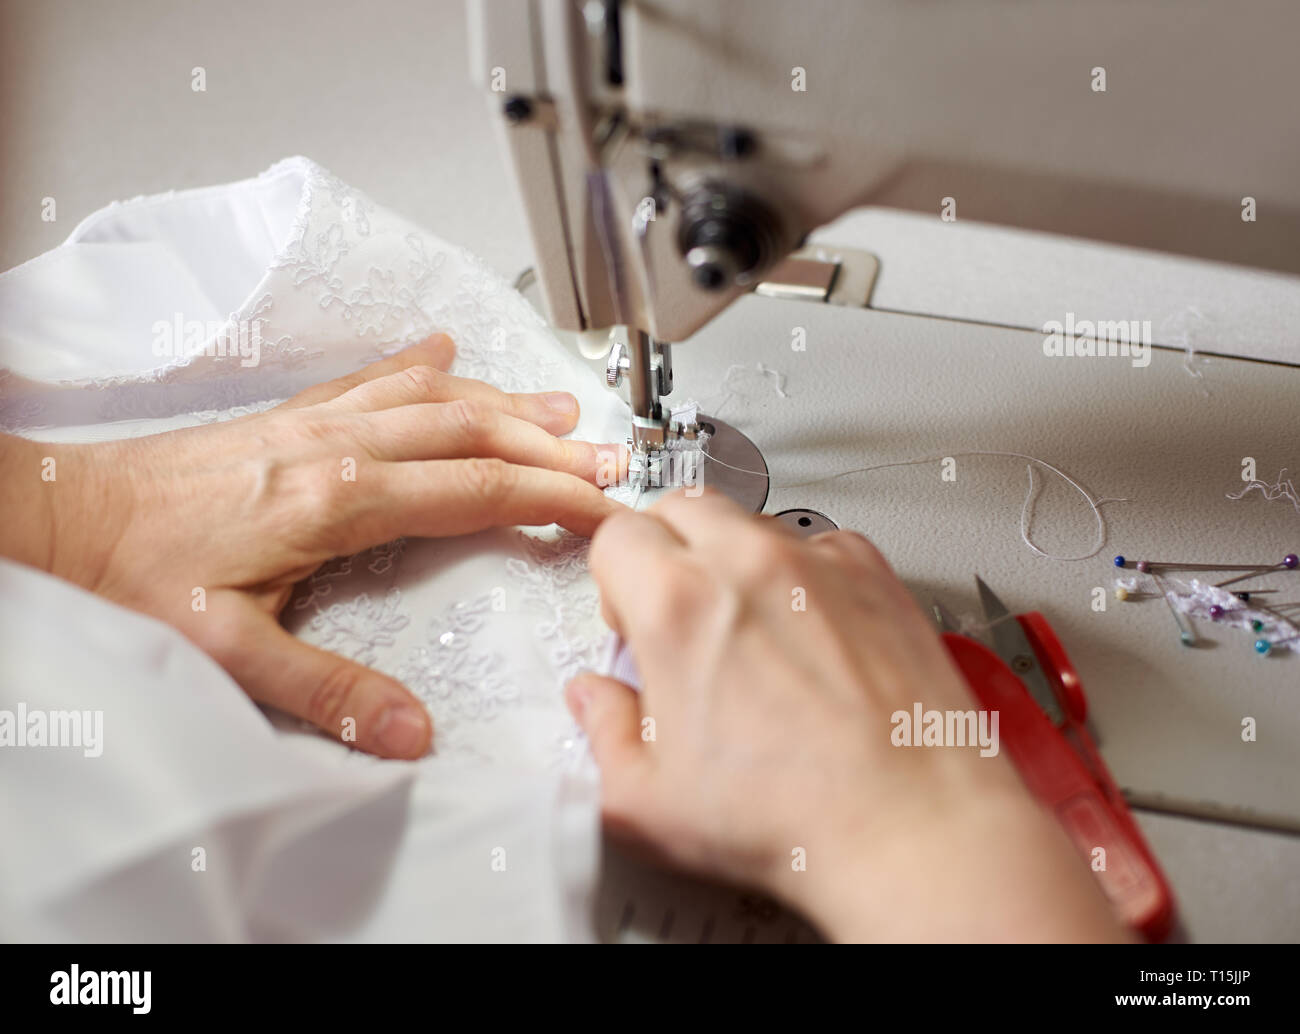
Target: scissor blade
point(1013, 646)
point(996, 615)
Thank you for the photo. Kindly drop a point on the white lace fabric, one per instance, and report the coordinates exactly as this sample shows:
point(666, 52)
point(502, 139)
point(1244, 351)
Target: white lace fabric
point(486, 629)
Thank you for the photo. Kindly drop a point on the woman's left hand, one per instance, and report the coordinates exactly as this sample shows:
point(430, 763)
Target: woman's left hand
point(233, 514)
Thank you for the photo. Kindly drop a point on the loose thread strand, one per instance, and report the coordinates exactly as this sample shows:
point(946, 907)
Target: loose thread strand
point(1026, 511)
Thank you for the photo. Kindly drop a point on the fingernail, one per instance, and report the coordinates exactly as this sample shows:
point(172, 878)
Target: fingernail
point(561, 401)
point(402, 731)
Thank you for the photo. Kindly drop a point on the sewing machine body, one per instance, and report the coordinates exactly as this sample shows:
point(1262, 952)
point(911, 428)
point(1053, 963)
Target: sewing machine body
point(947, 358)
point(914, 329)
point(671, 155)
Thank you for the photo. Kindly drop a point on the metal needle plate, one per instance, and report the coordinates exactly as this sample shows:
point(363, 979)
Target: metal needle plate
point(806, 523)
point(735, 467)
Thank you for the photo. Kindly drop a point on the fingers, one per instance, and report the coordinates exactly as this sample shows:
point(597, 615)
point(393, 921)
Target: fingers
point(438, 498)
point(465, 428)
point(707, 519)
point(350, 702)
point(556, 411)
point(610, 714)
point(850, 546)
point(419, 375)
point(630, 551)
point(436, 351)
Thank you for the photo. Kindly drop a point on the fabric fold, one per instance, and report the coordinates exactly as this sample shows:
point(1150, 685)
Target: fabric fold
point(495, 835)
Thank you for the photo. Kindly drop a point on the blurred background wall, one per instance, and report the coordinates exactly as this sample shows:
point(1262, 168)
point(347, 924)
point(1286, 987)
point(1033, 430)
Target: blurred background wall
point(96, 105)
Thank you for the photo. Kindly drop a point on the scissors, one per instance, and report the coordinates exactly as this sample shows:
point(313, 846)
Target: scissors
point(1028, 678)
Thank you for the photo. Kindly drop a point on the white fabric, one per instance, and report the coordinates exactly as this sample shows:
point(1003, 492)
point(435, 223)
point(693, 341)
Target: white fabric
point(303, 838)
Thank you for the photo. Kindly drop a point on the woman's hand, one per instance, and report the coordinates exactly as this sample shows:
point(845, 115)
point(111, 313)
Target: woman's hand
point(759, 749)
point(243, 510)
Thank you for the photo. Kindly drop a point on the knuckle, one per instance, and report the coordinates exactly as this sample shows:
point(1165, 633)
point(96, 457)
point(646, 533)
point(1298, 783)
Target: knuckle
point(322, 427)
point(683, 592)
point(222, 637)
point(770, 557)
point(331, 700)
point(273, 426)
point(780, 549)
point(348, 381)
point(323, 486)
point(321, 503)
point(424, 380)
point(298, 433)
point(469, 420)
point(487, 480)
point(572, 456)
point(855, 545)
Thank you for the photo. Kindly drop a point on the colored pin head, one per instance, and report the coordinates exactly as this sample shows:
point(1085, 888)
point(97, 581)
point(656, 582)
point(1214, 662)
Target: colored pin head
point(1290, 562)
point(1217, 612)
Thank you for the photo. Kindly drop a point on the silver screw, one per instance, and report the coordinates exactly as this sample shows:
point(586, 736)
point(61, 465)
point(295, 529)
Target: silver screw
point(617, 362)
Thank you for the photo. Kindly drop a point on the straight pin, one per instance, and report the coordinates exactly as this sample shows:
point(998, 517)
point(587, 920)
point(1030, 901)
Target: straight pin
point(1186, 633)
point(1123, 593)
point(1289, 562)
point(1263, 647)
point(1276, 611)
point(1245, 596)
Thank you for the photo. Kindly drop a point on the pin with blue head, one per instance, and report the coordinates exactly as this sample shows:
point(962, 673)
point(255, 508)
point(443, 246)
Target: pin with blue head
point(1263, 647)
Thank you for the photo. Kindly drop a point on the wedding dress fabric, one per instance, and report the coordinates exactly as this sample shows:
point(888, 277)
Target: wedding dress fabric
point(204, 818)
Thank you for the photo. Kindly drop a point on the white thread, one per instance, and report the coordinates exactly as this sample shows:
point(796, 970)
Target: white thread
point(728, 392)
point(778, 379)
point(969, 625)
point(1182, 329)
point(1025, 511)
point(1282, 488)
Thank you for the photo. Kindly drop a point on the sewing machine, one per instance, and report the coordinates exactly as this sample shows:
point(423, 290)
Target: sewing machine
point(674, 155)
point(989, 103)
point(692, 172)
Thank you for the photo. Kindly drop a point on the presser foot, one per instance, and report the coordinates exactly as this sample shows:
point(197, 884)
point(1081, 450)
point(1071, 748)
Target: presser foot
point(720, 458)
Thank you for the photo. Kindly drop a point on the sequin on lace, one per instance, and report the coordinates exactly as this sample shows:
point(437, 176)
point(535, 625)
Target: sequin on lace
point(352, 283)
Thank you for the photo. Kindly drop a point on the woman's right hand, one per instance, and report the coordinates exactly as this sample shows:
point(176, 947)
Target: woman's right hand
point(759, 749)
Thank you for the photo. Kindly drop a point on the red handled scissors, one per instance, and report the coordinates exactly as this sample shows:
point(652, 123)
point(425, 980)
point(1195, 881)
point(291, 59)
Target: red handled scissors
point(1030, 681)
